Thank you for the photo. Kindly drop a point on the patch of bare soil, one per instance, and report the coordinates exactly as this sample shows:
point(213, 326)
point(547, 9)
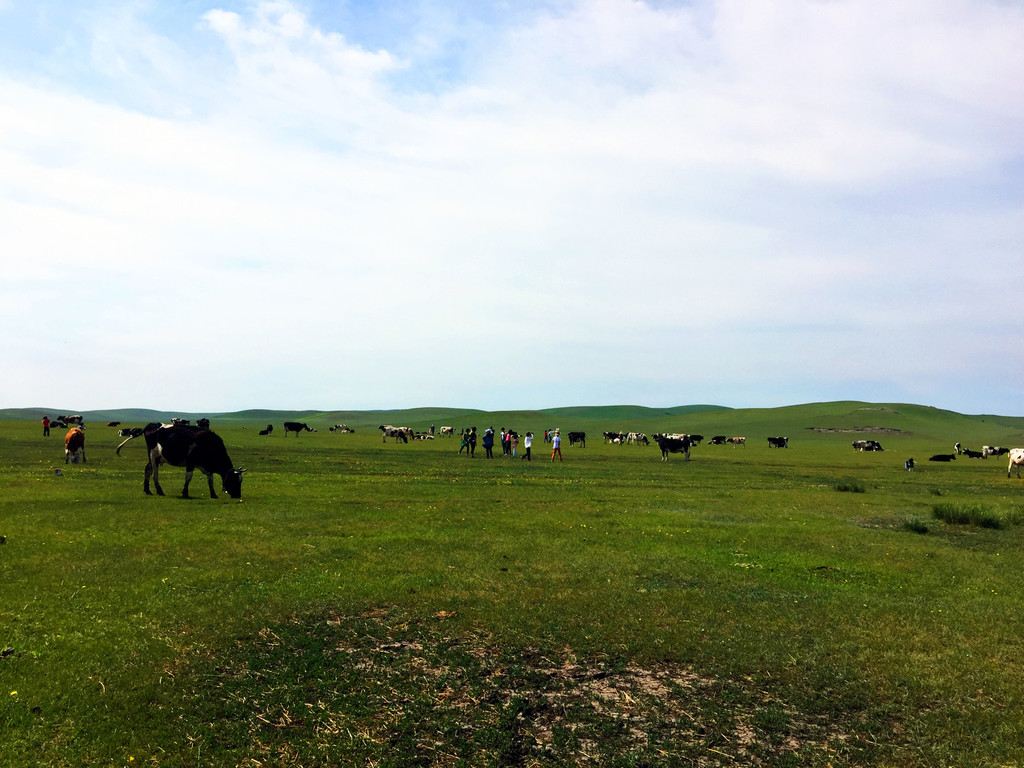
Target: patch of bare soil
point(363, 689)
point(864, 430)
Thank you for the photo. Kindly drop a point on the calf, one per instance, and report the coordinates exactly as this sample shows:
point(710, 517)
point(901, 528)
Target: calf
point(296, 427)
point(192, 448)
point(268, 430)
point(74, 445)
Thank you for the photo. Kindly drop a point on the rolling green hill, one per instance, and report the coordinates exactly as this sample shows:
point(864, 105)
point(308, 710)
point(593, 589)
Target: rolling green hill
point(811, 421)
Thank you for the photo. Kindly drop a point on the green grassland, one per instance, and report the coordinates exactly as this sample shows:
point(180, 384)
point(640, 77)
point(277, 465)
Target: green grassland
point(401, 605)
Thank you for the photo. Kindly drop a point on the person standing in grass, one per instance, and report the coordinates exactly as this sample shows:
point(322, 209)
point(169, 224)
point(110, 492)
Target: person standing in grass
point(489, 442)
point(527, 442)
point(556, 445)
point(515, 443)
point(465, 442)
point(46, 426)
point(472, 443)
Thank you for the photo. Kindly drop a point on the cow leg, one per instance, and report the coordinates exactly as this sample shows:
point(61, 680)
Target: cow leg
point(209, 479)
point(145, 483)
point(188, 479)
point(153, 466)
point(66, 460)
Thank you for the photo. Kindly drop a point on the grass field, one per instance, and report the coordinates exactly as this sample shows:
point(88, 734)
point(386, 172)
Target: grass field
point(400, 605)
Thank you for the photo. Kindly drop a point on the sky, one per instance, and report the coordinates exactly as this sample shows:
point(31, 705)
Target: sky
point(210, 205)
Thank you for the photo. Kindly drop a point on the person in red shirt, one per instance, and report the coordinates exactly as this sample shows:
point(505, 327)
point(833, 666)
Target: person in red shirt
point(46, 426)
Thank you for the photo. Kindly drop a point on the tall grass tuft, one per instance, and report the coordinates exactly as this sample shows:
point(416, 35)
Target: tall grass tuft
point(975, 514)
point(915, 525)
point(848, 486)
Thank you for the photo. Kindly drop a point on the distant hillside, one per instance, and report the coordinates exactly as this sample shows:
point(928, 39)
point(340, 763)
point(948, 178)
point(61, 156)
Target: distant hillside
point(810, 421)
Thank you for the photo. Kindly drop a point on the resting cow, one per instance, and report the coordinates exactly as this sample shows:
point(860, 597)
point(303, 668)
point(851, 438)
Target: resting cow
point(74, 445)
point(191, 448)
point(943, 457)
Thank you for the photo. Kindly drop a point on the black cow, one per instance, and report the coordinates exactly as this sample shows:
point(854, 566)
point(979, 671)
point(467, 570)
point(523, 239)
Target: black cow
point(129, 432)
point(192, 448)
point(578, 437)
point(268, 430)
point(673, 445)
point(943, 457)
point(203, 423)
point(717, 440)
point(973, 454)
point(778, 442)
point(296, 427)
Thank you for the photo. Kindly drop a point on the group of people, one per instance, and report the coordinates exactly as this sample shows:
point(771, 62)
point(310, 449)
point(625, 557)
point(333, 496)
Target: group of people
point(509, 443)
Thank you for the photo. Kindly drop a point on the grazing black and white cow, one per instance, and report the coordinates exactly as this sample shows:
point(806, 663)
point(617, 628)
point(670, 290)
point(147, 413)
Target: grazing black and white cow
point(867, 445)
point(192, 448)
point(943, 457)
point(268, 430)
point(447, 431)
point(342, 428)
point(737, 441)
point(74, 445)
point(399, 433)
point(73, 418)
point(673, 444)
point(129, 432)
point(993, 450)
point(718, 440)
point(296, 427)
point(778, 442)
point(1016, 460)
point(578, 437)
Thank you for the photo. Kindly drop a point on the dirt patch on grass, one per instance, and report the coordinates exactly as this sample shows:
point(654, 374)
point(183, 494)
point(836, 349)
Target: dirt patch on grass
point(865, 430)
point(373, 690)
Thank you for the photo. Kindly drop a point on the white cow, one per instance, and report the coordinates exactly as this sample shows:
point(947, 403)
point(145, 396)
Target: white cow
point(1016, 460)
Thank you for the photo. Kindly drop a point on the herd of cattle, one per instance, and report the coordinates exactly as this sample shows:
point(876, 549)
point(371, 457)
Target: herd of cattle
point(182, 444)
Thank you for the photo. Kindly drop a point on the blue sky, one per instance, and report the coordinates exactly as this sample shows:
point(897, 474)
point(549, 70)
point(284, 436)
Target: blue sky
point(210, 206)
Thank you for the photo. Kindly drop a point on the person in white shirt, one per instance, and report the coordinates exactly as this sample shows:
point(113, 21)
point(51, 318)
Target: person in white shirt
point(527, 442)
point(556, 446)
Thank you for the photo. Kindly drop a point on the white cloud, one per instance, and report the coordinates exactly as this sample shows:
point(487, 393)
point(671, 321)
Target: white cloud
point(805, 190)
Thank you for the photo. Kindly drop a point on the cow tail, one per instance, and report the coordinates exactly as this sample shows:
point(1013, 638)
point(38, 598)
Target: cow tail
point(118, 451)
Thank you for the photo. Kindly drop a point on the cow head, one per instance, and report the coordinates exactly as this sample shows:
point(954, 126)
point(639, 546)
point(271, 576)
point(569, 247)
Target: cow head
point(233, 483)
